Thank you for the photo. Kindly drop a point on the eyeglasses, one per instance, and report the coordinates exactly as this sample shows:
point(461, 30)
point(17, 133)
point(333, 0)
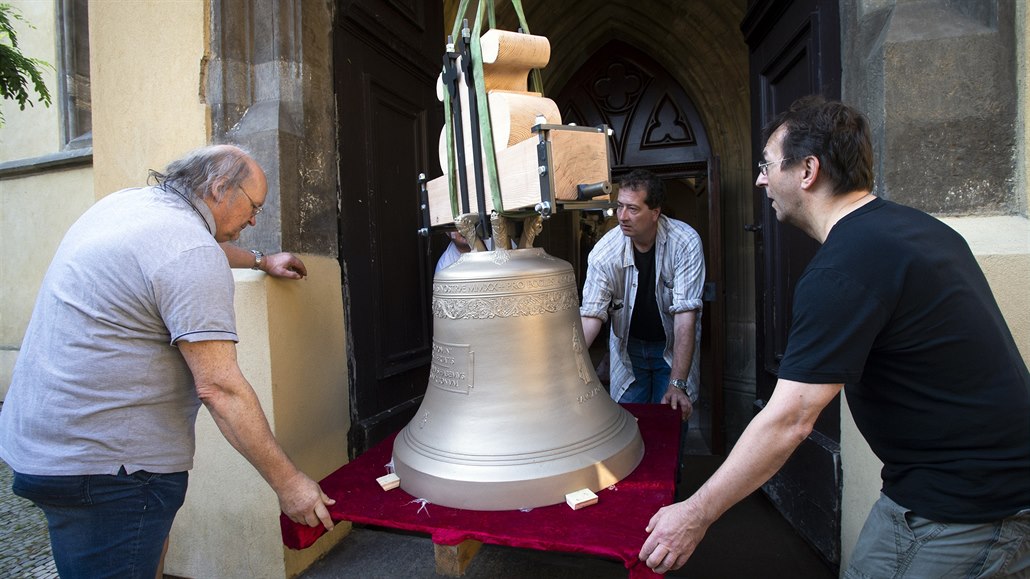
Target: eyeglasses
point(254, 207)
point(763, 168)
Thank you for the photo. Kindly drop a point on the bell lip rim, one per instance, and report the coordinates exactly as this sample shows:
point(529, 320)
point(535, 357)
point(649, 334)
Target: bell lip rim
point(494, 495)
point(620, 425)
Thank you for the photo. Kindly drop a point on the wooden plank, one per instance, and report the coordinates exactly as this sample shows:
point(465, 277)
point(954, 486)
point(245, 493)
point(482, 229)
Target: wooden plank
point(518, 177)
point(515, 49)
point(577, 157)
point(453, 560)
point(512, 116)
point(509, 56)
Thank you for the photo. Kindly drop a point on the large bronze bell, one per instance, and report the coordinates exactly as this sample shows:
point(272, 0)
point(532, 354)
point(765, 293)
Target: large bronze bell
point(514, 415)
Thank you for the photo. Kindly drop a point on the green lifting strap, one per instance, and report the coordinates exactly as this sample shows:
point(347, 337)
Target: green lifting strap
point(462, 8)
point(485, 128)
point(452, 177)
point(538, 83)
point(517, 5)
point(538, 86)
point(486, 132)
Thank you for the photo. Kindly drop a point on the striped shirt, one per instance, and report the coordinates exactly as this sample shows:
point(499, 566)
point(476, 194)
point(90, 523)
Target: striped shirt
point(611, 287)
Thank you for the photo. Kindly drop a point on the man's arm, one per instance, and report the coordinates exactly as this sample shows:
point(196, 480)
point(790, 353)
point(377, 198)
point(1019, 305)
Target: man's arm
point(283, 264)
point(766, 444)
point(591, 327)
point(684, 330)
point(237, 412)
point(596, 299)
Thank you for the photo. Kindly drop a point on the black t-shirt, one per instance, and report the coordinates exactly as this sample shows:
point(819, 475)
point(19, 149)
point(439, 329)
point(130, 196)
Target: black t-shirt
point(895, 306)
point(647, 321)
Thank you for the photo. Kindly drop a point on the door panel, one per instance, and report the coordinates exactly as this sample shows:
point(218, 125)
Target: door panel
point(715, 310)
point(795, 51)
point(389, 120)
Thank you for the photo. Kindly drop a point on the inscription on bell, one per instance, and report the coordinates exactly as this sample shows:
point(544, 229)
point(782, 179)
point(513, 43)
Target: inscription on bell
point(584, 397)
point(451, 369)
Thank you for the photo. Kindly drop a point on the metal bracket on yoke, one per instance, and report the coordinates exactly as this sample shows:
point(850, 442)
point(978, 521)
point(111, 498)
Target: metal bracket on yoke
point(483, 226)
point(423, 197)
point(460, 52)
point(543, 161)
point(451, 78)
point(587, 193)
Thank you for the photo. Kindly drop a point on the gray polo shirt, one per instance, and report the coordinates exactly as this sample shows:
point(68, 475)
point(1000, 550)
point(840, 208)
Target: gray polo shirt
point(99, 383)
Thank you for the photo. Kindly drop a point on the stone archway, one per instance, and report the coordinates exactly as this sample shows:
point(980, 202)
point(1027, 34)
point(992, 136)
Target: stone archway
point(653, 121)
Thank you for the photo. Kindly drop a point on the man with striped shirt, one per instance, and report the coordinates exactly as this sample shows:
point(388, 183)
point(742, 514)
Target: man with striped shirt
point(647, 277)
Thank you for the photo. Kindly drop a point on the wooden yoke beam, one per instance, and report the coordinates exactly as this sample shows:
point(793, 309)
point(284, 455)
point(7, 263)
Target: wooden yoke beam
point(509, 56)
point(576, 157)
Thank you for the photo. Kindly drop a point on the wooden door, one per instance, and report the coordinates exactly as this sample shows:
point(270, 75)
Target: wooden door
point(387, 57)
point(795, 51)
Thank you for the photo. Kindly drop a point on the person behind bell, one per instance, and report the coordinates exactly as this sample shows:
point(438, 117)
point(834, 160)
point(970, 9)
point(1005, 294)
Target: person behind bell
point(455, 249)
point(647, 277)
point(458, 247)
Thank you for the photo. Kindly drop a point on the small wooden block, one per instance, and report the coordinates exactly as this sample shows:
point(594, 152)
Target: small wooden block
point(389, 481)
point(454, 560)
point(581, 498)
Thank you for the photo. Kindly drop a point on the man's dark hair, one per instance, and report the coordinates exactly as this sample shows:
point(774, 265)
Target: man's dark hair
point(649, 183)
point(835, 133)
point(201, 168)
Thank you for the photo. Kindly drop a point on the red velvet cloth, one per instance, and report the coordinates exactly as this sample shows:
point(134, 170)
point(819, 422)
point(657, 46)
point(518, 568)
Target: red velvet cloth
point(613, 528)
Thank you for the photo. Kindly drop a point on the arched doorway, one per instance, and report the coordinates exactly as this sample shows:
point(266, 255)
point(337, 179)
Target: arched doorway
point(655, 126)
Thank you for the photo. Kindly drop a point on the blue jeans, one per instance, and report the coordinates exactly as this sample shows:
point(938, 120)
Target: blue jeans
point(895, 542)
point(106, 525)
point(650, 372)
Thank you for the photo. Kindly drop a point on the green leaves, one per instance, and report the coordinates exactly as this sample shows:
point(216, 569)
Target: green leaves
point(16, 70)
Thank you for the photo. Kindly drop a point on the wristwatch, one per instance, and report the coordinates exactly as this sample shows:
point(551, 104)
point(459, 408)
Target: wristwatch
point(258, 258)
point(682, 385)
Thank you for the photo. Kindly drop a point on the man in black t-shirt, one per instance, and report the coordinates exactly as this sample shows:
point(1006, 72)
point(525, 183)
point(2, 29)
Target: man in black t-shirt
point(895, 310)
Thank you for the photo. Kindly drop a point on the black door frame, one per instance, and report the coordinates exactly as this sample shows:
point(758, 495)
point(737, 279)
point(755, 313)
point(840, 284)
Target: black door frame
point(794, 51)
point(388, 123)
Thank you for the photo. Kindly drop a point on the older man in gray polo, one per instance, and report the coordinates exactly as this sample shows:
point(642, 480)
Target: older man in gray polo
point(132, 330)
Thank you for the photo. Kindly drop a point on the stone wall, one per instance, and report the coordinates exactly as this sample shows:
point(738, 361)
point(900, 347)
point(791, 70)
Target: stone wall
point(937, 80)
point(268, 82)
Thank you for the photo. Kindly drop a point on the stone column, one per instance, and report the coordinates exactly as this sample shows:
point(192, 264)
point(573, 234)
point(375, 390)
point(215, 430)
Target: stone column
point(269, 88)
point(937, 79)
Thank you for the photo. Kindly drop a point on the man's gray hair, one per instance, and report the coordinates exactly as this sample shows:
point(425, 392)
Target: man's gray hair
point(198, 171)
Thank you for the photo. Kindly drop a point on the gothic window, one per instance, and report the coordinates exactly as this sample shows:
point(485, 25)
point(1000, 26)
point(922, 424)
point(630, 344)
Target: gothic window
point(73, 73)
